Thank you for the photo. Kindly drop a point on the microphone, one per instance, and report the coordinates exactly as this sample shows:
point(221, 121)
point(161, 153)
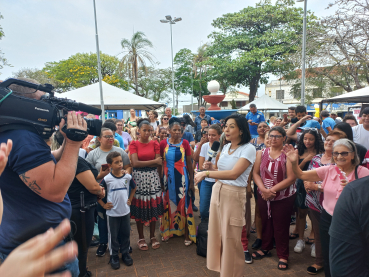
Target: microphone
point(212, 153)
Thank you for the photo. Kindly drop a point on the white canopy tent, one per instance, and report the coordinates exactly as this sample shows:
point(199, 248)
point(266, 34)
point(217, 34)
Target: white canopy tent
point(360, 96)
point(114, 98)
point(265, 103)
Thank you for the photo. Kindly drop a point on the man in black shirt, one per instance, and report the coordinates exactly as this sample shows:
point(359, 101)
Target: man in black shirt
point(349, 231)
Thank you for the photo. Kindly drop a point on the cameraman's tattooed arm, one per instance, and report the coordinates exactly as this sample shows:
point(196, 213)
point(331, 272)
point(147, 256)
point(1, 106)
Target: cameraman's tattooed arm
point(31, 184)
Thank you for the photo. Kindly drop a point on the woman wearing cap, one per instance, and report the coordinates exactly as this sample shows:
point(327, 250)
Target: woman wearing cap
point(147, 203)
point(227, 205)
point(344, 169)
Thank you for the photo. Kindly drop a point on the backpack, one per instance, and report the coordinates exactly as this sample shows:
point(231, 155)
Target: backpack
point(202, 238)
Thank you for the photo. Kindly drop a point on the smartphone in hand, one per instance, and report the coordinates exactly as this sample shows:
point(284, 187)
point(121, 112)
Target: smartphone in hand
point(104, 167)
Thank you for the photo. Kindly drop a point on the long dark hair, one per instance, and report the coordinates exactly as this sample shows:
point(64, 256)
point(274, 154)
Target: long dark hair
point(319, 146)
point(188, 120)
point(243, 125)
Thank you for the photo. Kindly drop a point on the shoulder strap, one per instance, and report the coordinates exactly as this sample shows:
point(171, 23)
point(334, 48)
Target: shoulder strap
point(356, 175)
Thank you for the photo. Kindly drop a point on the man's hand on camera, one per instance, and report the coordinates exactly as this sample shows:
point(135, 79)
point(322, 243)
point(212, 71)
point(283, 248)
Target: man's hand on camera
point(74, 121)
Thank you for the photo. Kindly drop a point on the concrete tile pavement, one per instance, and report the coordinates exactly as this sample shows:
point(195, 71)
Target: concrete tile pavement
point(173, 258)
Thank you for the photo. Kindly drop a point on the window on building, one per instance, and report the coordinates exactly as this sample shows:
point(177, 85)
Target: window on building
point(224, 104)
point(279, 94)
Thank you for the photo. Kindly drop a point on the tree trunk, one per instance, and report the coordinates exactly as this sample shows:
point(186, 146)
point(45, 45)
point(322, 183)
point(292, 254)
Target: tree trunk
point(254, 85)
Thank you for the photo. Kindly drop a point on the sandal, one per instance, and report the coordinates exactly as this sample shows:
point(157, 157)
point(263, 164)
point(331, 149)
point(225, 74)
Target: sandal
point(188, 242)
point(142, 246)
point(164, 239)
point(253, 230)
point(313, 270)
point(154, 245)
point(282, 263)
point(294, 236)
point(258, 256)
point(309, 240)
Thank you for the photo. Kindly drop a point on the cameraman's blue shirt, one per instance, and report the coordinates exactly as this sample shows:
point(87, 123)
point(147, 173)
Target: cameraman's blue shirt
point(26, 214)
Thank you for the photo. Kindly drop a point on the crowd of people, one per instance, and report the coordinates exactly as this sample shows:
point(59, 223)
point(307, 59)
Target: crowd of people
point(147, 170)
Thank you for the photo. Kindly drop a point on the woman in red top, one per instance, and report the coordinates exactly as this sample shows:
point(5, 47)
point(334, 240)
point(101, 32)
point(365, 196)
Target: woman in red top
point(147, 204)
point(276, 194)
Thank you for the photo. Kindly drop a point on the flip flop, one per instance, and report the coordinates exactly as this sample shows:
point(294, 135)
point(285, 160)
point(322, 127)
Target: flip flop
point(142, 246)
point(155, 245)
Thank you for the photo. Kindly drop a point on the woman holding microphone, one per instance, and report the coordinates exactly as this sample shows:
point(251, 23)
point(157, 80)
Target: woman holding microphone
point(227, 204)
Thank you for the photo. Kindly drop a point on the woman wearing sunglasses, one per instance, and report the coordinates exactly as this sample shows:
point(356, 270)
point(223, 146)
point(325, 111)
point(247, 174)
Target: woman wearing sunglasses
point(276, 195)
point(164, 123)
point(344, 169)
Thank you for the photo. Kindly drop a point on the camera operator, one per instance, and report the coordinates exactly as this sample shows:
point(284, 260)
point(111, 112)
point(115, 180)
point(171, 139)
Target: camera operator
point(35, 182)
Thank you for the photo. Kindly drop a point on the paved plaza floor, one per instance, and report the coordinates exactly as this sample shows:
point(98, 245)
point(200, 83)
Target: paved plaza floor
point(175, 259)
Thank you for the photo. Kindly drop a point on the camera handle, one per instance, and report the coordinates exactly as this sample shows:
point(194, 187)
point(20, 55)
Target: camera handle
point(74, 134)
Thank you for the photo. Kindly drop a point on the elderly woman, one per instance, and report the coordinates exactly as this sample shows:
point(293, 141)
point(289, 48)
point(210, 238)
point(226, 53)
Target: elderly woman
point(314, 198)
point(276, 195)
point(334, 178)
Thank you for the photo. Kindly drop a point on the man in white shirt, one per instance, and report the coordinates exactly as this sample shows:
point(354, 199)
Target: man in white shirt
point(361, 131)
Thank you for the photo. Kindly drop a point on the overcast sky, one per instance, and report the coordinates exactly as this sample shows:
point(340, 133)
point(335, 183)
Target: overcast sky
point(40, 31)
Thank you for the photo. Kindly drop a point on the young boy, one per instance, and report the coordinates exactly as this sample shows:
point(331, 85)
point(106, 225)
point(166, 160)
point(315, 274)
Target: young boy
point(117, 186)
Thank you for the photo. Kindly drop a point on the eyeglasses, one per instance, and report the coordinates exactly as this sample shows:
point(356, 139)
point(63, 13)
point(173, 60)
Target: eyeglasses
point(275, 137)
point(311, 129)
point(204, 133)
point(343, 154)
point(108, 137)
point(165, 118)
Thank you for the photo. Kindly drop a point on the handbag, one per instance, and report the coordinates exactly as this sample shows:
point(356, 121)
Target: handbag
point(300, 194)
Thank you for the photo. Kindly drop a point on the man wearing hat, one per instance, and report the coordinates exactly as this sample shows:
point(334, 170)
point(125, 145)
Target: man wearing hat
point(334, 117)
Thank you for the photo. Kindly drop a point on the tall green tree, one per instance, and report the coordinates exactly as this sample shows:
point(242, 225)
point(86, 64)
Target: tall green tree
point(254, 42)
point(80, 70)
point(155, 83)
point(136, 56)
point(187, 76)
point(36, 74)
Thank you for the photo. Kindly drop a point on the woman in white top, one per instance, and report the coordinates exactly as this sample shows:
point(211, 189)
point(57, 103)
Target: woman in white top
point(153, 116)
point(227, 204)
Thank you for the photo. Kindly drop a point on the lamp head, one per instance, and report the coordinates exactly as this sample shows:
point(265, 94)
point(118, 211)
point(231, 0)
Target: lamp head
point(168, 17)
point(164, 21)
point(177, 19)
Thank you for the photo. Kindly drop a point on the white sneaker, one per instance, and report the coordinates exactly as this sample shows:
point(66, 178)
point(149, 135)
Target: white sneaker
point(313, 250)
point(300, 245)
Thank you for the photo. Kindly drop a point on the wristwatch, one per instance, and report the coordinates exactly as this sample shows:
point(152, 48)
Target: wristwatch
point(319, 186)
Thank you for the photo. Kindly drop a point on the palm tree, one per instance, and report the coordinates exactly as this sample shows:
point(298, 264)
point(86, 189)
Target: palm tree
point(136, 56)
point(198, 65)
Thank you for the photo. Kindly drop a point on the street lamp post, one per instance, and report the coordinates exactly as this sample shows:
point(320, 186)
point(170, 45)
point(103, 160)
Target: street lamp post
point(99, 68)
point(171, 22)
point(303, 54)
